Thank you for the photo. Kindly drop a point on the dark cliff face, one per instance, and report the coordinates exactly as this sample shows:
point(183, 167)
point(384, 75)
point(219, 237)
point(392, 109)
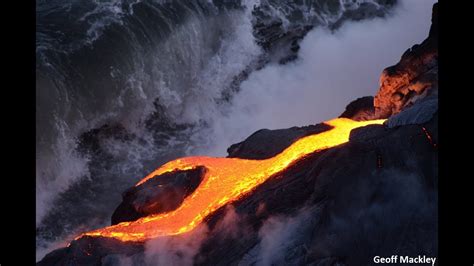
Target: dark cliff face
point(375, 195)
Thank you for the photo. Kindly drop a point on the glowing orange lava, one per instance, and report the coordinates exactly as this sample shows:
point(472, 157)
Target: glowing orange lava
point(225, 180)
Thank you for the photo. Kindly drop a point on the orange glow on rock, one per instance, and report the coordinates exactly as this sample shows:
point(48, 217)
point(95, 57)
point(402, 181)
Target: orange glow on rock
point(225, 180)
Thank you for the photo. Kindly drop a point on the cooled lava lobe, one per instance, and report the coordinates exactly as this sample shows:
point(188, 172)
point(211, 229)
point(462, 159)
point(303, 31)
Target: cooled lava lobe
point(157, 195)
point(374, 195)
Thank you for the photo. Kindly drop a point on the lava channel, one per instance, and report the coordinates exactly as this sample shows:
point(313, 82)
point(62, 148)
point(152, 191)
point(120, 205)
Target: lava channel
point(225, 180)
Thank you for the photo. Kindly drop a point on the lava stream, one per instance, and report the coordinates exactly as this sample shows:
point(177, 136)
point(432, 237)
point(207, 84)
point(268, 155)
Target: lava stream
point(225, 180)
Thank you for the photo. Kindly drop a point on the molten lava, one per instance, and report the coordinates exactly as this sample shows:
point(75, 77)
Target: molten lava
point(225, 180)
point(428, 136)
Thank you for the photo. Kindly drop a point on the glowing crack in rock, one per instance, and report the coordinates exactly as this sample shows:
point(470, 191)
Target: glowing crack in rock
point(225, 180)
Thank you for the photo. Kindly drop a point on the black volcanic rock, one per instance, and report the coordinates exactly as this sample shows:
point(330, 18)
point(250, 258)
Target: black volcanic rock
point(367, 133)
point(361, 109)
point(266, 143)
point(90, 251)
point(157, 195)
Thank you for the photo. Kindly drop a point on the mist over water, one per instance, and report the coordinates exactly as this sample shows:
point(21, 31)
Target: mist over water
point(123, 85)
point(161, 81)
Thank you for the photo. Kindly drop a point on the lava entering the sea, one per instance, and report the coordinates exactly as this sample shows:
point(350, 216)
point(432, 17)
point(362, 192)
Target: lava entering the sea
point(225, 180)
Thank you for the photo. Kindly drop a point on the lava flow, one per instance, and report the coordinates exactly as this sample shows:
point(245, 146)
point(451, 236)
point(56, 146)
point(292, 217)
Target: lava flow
point(225, 180)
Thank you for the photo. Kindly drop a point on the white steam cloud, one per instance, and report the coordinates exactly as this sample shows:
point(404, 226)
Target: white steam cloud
point(181, 249)
point(176, 250)
point(333, 69)
point(280, 233)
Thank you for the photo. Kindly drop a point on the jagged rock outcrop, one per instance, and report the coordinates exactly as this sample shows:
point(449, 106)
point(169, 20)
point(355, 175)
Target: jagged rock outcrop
point(414, 77)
